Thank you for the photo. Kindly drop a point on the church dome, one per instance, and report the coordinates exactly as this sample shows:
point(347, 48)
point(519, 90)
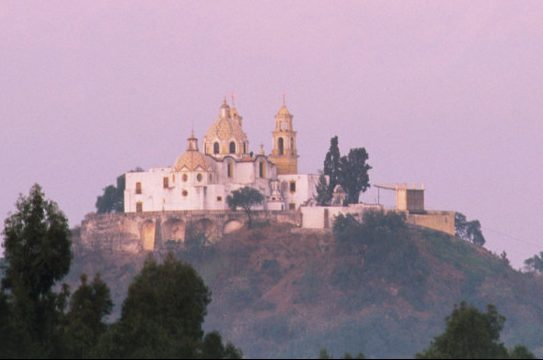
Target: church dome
point(193, 159)
point(226, 127)
point(225, 130)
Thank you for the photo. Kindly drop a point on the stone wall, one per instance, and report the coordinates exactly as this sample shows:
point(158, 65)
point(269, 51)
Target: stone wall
point(138, 232)
point(443, 221)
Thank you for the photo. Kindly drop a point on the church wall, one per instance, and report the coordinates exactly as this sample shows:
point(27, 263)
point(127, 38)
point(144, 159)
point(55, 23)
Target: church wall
point(306, 188)
point(152, 192)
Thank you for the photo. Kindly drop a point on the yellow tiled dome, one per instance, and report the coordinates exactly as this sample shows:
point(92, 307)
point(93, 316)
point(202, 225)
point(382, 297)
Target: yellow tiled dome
point(193, 159)
point(226, 135)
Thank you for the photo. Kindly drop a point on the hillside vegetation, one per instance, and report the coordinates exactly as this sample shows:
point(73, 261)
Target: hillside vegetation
point(382, 288)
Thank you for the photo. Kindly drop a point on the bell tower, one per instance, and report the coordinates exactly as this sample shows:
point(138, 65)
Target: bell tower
point(285, 153)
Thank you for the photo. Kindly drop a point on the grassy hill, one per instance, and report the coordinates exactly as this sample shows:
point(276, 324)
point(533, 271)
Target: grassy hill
point(282, 292)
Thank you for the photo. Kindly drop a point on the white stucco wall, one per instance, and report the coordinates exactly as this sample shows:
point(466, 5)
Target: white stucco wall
point(306, 188)
point(313, 217)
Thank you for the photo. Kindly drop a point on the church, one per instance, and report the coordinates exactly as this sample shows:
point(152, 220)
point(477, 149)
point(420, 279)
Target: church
point(202, 178)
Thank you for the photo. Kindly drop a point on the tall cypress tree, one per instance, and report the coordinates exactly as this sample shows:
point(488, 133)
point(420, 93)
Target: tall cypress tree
point(332, 165)
point(38, 254)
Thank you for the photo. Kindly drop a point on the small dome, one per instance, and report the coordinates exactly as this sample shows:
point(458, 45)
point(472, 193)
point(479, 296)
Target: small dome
point(193, 159)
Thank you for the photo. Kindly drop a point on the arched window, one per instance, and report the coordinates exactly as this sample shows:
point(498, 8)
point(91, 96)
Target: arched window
point(232, 147)
point(281, 145)
point(230, 170)
point(216, 148)
point(262, 169)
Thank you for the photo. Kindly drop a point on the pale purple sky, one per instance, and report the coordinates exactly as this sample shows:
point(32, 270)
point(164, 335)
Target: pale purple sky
point(448, 94)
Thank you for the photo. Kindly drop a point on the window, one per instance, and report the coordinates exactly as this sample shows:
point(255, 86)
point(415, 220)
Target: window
point(185, 178)
point(166, 183)
point(232, 147)
point(138, 188)
point(281, 146)
point(219, 198)
point(216, 148)
point(185, 193)
point(292, 206)
point(245, 148)
point(262, 169)
point(292, 186)
point(199, 177)
point(230, 170)
point(139, 207)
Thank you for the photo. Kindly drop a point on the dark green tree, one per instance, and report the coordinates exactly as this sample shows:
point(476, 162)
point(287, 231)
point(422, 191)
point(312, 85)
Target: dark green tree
point(245, 198)
point(353, 175)
point(323, 354)
point(351, 172)
point(521, 352)
point(112, 200)
point(324, 197)
point(471, 334)
point(89, 306)
point(162, 316)
point(38, 254)
point(332, 166)
point(469, 230)
point(214, 348)
point(535, 263)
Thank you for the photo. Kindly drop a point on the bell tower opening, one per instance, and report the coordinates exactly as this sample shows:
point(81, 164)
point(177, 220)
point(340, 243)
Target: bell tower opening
point(284, 154)
point(281, 146)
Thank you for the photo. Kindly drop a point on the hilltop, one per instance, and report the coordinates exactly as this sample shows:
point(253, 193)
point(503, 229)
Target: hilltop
point(279, 291)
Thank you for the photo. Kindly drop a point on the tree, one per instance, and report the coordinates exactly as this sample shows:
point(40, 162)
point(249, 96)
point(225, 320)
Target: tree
point(323, 354)
point(535, 263)
point(469, 230)
point(3, 266)
point(112, 200)
point(89, 305)
point(38, 254)
point(213, 348)
point(471, 334)
point(332, 166)
point(521, 352)
point(351, 172)
point(324, 197)
point(245, 198)
point(162, 316)
point(354, 176)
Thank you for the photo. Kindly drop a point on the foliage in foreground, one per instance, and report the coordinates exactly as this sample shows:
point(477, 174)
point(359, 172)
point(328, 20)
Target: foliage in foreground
point(323, 354)
point(161, 317)
point(472, 334)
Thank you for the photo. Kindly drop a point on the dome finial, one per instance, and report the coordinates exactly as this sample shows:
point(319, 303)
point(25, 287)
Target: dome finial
point(225, 109)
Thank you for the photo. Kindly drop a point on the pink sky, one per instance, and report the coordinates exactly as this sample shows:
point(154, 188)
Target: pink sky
point(448, 94)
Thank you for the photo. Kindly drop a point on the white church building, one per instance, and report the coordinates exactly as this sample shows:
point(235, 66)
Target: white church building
point(202, 179)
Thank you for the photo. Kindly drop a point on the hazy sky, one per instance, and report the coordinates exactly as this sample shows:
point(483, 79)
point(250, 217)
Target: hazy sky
point(448, 94)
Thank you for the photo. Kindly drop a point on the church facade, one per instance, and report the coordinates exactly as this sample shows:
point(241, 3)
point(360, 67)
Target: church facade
point(202, 179)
